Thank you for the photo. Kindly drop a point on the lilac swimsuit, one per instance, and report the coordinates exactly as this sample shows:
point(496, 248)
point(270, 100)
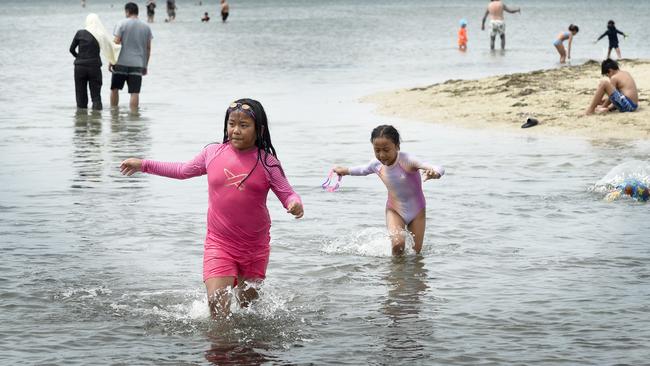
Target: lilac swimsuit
point(403, 181)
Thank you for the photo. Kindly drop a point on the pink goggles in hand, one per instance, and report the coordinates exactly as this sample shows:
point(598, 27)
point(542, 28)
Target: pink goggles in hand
point(329, 180)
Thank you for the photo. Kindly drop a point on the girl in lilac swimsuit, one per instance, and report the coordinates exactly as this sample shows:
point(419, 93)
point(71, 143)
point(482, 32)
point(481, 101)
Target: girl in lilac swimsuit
point(400, 173)
point(240, 171)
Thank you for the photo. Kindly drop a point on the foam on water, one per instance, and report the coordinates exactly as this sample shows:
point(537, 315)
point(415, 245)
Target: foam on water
point(186, 312)
point(83, 293)
point(371, 242)
point(190, 313)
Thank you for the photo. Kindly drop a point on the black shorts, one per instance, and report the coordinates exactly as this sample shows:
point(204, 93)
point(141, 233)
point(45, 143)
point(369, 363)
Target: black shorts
point(131, 75)
point(224, 16)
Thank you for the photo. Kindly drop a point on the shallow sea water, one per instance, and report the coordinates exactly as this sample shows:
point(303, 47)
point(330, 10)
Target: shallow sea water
point(524, 263)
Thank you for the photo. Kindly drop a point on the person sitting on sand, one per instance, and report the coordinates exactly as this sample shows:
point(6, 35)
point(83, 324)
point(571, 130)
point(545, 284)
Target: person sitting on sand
point(206, 17)
point(621, 89)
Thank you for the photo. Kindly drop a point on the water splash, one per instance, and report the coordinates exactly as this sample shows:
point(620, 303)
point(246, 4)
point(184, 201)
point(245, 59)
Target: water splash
point(371, 242)
point(634, 169)
point(82, 293)
point(268, 320)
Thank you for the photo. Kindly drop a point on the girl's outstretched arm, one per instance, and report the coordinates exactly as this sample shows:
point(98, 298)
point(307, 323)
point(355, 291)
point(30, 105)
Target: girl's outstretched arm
point(372, 167)
point(428, 171)
point(282, 188)
point(192, 168)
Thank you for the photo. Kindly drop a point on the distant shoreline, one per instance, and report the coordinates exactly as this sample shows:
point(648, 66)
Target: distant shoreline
point(556, 97)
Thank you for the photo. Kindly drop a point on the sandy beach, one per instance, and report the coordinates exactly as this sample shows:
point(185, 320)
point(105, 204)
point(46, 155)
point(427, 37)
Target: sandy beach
point(556, 97)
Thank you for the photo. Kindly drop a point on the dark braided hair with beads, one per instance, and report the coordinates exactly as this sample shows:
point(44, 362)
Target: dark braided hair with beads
point(262, 138)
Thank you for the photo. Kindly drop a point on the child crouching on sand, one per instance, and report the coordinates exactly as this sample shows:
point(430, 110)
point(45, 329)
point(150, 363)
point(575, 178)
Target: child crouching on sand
point(621, 89)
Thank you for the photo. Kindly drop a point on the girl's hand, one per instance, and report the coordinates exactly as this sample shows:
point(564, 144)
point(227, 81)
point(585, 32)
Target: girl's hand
point(130, 166)
point(295, 208)
point(430, 174)
point(341, 170)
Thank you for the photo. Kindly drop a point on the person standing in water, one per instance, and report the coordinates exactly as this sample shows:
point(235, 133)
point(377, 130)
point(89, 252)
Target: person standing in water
point(151, 10)
point(612, 35)
point(171, 10)
point(400, 173)
point(135, 38)
point(87, 64)
point(240, 172)
point(462, 35)
point(225, 10)
point(497, 22)
point(559, 42)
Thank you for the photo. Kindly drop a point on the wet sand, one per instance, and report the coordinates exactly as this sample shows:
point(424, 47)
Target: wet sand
point(556, 97)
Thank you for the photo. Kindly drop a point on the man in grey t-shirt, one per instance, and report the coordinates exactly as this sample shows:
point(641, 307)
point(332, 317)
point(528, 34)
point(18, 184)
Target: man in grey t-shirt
point(135, 37)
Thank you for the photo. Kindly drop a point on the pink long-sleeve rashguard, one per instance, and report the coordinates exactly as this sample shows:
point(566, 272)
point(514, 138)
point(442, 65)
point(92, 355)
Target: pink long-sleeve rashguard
point(238, 222)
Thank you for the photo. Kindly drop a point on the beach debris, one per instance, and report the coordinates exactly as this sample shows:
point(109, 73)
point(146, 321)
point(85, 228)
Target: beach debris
point(530, 122)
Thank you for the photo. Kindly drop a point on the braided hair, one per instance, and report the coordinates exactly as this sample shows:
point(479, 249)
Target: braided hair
point(386, 131)
point(262, 136)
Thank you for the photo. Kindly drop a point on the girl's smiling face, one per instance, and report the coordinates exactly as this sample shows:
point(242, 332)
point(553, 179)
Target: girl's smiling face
point(385, 150)
point(241, 130)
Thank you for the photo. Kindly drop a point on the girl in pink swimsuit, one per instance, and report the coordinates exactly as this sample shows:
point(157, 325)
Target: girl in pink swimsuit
point(241, 170)
point(400, 173)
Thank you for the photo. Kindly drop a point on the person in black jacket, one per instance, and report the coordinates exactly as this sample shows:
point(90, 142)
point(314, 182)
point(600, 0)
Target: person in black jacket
point(612, 34)
point(87, 68)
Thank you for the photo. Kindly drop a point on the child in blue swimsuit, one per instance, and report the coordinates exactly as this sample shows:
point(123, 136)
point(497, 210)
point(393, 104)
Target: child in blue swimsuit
point(559, 42)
